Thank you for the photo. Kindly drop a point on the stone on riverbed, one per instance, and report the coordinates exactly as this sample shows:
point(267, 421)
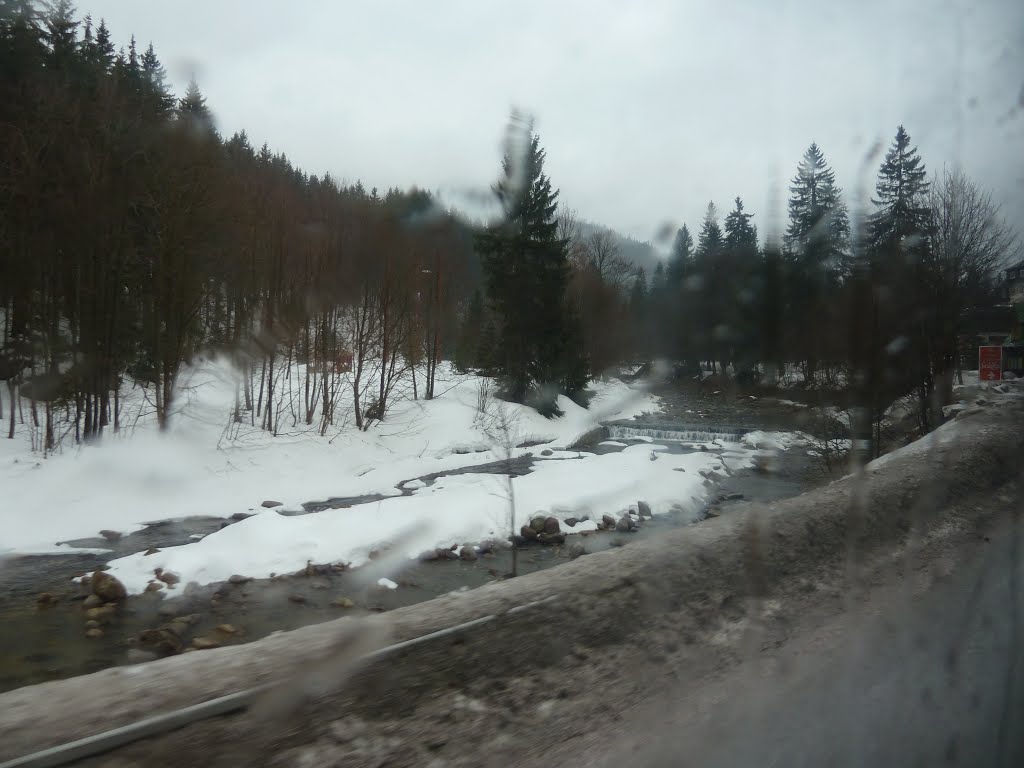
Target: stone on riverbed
point(46, 599)
point(107, 588)
point(94, 633)
point(342, 602)
point(204, 643)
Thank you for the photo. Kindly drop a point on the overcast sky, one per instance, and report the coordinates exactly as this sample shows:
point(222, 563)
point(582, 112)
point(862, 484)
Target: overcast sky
point(647, 109)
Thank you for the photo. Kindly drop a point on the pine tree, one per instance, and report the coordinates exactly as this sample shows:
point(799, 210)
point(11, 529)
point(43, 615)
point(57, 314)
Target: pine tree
point(192, 110)
point(901, 198)
point(817, 237)
point(681, 256)
point(157, 97)
point(526, 271)
point(739, 232)
point(816, 259)
point(709, 240)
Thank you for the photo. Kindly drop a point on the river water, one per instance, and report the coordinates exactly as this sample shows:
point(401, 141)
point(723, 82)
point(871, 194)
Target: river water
point(47, 641)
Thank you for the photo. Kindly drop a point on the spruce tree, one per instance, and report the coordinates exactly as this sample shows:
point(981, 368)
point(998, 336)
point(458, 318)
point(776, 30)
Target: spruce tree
point(681, 256)
point(902, 214)
point(816, 258)
point(817, 237)
point(526, 272)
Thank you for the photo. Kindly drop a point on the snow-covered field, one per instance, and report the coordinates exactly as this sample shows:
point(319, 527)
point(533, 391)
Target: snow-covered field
point(207, 465)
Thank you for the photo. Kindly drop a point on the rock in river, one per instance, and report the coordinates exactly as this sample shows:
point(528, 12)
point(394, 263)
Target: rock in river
point(538, 523)
point(107, 588)
point(467, 553)
point(644, 509)
point(203, 643)
point(608, 521)
point(551, 525)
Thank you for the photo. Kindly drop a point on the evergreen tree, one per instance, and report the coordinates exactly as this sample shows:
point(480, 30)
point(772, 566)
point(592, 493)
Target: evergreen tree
point(739, 232)
point(192, 110)
point(709, 240)
point(681, 256)
point(817, 237)
point(526, 272)
point(816, 259)
point(157, 98)
point(902, 214)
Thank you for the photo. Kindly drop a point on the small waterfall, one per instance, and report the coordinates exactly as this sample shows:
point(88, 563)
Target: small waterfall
point(682, 433)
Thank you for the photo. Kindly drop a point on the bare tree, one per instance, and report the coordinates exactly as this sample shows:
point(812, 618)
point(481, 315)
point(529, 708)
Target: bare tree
point(970, 242)
point(602, 254)
point(500, 426)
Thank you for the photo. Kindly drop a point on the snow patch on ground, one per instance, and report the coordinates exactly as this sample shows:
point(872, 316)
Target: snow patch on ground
point(454, 509)
point(205, 464)
point(777, 441)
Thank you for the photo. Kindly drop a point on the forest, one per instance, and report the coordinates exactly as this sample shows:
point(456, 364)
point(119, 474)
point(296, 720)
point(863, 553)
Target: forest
point(134, 238)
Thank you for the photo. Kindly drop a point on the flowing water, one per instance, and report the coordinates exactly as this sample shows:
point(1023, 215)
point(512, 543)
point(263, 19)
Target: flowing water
point(47, 641)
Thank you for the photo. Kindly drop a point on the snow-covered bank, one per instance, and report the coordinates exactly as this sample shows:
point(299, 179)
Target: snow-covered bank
point(456, 509)
point(207, 465)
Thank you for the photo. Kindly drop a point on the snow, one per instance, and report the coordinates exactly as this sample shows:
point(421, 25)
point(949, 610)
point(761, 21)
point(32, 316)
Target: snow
point(945, 435)
point(386, 583)
point(454, 509)
point(777, 441)
point(205, 465)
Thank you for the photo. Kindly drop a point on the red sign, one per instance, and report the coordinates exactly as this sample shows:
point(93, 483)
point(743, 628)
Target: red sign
point(990, 363)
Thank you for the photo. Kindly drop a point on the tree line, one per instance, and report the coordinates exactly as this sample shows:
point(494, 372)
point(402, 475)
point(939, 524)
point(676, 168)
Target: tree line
point(133, 236)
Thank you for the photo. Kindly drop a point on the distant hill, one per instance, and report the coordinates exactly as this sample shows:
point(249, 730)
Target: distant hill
point(639, 252)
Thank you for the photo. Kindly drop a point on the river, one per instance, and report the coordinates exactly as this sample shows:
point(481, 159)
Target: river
point(46, 641)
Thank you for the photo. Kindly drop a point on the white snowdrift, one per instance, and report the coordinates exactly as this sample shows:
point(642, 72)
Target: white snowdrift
point(457, 509)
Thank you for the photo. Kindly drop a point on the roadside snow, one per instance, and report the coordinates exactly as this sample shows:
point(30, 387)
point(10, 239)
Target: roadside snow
point(207, 465)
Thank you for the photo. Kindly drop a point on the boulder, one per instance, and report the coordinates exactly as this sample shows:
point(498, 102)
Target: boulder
point(227, 629)
point(154, 586)
point(539, 523)
point(572, 522)
point(547, 452)
point(342, 602)
point(576, 550)
point(608, 521)
point(204, 643)
point(111, 535)
point(624, 524)
point(168, 577)
point(428, 556)
point(527, 532)
point(443, 553)
point(467, 553)
point(236, 578)
point(269, 504)
point(163, 641)
point(551, 525)
point(644, 509)
point(107, 588)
